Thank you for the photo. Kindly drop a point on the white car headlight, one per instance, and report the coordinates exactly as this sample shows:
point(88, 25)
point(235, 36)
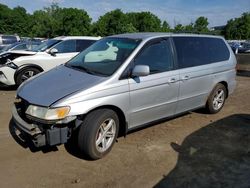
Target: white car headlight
point(48, 113)
point(10, 64)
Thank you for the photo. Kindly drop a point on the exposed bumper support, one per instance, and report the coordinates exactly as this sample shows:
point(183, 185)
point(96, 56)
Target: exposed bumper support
point(52, 136)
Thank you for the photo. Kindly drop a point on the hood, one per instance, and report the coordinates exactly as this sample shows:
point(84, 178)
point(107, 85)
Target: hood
point(11, 55)
point(55, 84)
point(21, 52)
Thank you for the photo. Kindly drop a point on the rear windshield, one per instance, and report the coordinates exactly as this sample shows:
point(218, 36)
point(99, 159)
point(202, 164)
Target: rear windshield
point(195, 51)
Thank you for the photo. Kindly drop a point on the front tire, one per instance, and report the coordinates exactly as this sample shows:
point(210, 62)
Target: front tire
point(98, 133)
point(25, 74)
point(216, 99)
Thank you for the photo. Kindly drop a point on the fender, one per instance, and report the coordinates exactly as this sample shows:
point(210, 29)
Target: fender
point(19, 69)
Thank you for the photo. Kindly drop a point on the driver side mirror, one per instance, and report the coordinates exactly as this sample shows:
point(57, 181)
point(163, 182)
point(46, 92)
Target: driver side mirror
point(53, 51)
point(140, 70)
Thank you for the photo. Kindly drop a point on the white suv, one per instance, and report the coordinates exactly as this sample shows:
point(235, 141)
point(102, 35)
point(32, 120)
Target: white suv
point(16, 71)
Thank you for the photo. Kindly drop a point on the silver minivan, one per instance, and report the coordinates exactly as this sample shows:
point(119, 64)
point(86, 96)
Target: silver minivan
point(122, 82)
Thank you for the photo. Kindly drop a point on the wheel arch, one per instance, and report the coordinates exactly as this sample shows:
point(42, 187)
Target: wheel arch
point(26, 66)
point(226, 86)
point(123, 125)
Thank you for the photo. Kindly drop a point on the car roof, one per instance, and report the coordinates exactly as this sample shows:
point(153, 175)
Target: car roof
point(148, 35)
point(76, 37)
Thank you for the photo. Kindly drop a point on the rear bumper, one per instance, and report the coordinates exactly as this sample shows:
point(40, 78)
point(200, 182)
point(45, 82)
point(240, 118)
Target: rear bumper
point(41, 137)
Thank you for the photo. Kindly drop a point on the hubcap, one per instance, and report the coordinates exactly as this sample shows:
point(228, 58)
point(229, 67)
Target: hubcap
point(105, 135)
point(27, 75)
point(218, 100)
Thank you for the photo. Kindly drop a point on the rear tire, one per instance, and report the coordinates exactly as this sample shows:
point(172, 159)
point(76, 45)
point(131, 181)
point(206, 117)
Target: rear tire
point(216, 99)
point(98, 133)
point(25, 74)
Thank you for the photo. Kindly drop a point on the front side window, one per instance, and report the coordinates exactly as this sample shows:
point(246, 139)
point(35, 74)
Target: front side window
point(45, 45)
point(66, 46)
point(157, 55)
point(105, 56)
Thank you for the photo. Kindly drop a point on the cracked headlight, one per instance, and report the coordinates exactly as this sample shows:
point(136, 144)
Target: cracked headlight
point(11, 64)
point(48, 113)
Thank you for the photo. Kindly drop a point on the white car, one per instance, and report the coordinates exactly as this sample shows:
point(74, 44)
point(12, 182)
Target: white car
point(48, 55)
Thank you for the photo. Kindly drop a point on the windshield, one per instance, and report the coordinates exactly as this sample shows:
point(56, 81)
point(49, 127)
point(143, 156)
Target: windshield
point(6, 48)
point(105, 56)
point(45, 45)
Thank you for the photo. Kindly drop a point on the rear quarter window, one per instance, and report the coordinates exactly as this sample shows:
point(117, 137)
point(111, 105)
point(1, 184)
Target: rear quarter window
point(195, 51)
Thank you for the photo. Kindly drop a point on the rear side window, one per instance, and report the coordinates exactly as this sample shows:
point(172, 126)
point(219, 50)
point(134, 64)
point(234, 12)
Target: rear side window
point(157, 55)
point(83, 44)
point(195, 51)
point(9, 39)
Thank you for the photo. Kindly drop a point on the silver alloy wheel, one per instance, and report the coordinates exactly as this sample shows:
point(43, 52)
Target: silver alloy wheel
point(105, 135)
point(27, 75)
point(218, 99)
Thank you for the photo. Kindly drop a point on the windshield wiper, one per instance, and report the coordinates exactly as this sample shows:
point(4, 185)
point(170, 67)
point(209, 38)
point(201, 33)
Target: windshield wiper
point(81, 68)
point(86, 70)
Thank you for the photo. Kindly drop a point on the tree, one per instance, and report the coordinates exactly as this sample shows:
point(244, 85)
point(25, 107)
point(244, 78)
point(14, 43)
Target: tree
point(144, 21)
point(165, 27)
point(179, 28)
point(238, 28)
point(113, 22)
point(201, 24)
point(72, 21)
point(54, 21)
point(189, 27)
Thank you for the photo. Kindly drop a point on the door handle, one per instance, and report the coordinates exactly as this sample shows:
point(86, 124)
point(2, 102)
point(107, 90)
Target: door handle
point(185, 78)
point(172, 80)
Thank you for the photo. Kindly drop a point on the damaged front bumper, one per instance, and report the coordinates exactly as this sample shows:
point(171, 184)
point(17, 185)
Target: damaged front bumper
point(42, 135)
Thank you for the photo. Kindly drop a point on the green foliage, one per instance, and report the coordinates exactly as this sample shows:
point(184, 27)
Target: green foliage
point(145, 21)
point(14, 20)
point(56, 21)
point(113, 22)
point(179, 28)
point(238, 28)
point(201, 25)
point(165, 27)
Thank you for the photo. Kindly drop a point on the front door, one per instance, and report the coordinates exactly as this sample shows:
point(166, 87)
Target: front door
point(154, 96)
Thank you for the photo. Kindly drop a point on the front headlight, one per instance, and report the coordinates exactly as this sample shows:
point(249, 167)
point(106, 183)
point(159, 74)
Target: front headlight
point(48, 113)
point(10, 64)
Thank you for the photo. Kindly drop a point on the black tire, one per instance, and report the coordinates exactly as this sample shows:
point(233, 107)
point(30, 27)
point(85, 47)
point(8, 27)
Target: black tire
point(89, 132)
point(24, 74)
point(212, 107)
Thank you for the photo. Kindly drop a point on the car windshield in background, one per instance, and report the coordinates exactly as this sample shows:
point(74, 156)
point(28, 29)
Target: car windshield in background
point(105, 56)
point(45, 45)
point(6, 48)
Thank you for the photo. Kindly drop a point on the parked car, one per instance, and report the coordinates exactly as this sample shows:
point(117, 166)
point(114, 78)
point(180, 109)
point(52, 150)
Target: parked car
point(20, 46)
point(240, 47)
point(8, 39)
point(11, 55)
point(123, 82)
point(43, 58)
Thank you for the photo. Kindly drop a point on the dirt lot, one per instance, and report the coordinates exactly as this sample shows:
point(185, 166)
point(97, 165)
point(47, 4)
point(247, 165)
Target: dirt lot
point(194, 150)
